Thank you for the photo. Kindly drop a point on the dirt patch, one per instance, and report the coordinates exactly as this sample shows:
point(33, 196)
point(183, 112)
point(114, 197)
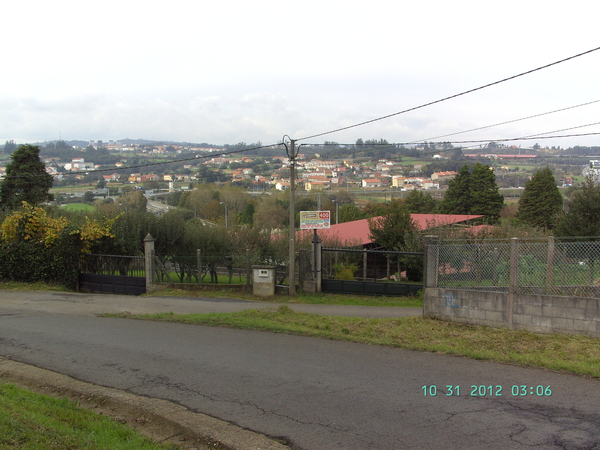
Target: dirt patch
point(160, 420)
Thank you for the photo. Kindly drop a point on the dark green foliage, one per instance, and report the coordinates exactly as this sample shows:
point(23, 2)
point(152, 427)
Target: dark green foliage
point(485, 196)
point(457, 199)
point(394, 230)
point(541, 201)
point(26, 179)
point(30, 261)
point(583, 217)
point(246, 217)
point(473, 192)
point(419, 202)
point(349, 213)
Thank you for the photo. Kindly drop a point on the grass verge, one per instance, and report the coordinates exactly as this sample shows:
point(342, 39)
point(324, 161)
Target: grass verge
point(574, 354)
point(318, 299)
point(7, 285)
point(35, 421)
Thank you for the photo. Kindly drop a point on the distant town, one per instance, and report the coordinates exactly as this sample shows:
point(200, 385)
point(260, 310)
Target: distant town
point(368, 165)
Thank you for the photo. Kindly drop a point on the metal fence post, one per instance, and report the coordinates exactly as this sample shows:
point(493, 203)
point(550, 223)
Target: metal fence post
point(248, 269)
point(199, 265)
point(550, 263)
point(514, 279)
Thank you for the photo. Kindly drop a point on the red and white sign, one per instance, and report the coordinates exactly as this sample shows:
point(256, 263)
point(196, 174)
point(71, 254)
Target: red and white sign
point(315, 220)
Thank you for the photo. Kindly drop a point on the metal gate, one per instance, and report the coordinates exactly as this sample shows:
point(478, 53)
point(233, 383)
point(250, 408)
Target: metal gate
point(371, 272)
point(112, 274)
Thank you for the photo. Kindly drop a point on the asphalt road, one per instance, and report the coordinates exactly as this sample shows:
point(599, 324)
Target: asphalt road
point(317, 394)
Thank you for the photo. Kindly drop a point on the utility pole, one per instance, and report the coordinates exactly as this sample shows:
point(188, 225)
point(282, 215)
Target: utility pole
point(292, 153)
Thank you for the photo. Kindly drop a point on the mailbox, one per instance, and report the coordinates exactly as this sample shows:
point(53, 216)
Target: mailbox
point(263, 280)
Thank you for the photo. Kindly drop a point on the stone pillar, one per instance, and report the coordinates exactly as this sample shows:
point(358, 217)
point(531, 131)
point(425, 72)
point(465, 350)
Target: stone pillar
point(149, 261)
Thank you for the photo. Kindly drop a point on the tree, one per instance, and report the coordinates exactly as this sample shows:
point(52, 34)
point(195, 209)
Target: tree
point(88, 196)
point(349, 212)
point(26, 179)
point(246, 217)
point(419, 202)
point(9, 147)
point(394, 230)
point(583, 216)
point(541, 201)
point(473, 192)
point(457, 199)
point(485, 196)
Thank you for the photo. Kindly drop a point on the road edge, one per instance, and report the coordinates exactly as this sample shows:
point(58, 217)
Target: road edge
point(182, 423)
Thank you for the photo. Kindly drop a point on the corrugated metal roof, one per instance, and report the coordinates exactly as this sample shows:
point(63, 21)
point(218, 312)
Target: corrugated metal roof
point(358, 232)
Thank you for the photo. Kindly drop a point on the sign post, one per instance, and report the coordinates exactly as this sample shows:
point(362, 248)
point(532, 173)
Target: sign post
point(315, 220)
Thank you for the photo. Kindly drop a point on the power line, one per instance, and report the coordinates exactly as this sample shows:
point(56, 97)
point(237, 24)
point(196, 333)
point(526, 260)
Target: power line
point(504, 123)
point(450, 97)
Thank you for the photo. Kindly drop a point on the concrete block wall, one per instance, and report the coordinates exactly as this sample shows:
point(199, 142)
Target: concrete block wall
point(539, 313)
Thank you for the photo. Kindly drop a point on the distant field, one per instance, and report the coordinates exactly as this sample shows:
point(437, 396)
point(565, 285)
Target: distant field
point(78, 207)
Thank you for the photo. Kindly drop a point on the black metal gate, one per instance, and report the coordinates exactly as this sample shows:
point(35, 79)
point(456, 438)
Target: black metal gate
point(112, 274)
point(371, 272)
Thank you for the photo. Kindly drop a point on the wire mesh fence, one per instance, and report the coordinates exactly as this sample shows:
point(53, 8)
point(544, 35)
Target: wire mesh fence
point(373, 265)
point(132, 266)
point(200, 267)
point(547, 267)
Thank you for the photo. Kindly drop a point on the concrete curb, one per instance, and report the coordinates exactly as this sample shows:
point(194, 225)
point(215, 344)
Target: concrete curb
point(182, 424)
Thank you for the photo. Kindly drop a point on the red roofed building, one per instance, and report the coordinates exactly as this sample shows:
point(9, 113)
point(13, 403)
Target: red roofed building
point(357, 232)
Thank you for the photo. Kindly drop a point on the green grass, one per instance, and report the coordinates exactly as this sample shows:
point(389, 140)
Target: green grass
point(7, 285)
point(78, 207)
point(574, 354)
point(34, 421)
point(316, 299)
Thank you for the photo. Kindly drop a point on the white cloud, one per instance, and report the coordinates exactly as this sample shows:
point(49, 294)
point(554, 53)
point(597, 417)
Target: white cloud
point(234, 71)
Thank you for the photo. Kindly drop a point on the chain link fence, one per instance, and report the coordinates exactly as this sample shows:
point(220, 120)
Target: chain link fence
point(212, 268)
point(549, 267)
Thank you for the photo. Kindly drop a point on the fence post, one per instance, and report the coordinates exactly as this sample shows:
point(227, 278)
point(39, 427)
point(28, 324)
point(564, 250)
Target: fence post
point(365, 266)
point(431, 261)
point(514, 279)
point(550, 264)
point(149, 261)
point(319, 266)
point(248, 267)
point(199, 265)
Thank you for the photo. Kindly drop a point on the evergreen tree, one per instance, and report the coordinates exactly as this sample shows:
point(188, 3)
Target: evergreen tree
point(457, 199)
point(419, 202)
point(583, 217)
point(541, 201)
point(473, 192)
point(485, 195)
point(26, 179)
point(349, 212)
point(247, 215)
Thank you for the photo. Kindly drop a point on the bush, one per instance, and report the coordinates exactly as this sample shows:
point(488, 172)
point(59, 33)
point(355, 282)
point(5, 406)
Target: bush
point(344, 272)
point(30, 261)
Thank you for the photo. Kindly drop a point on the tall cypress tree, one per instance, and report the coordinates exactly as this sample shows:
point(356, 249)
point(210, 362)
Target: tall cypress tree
point(583, 217)
point(485, 195)
point(541, 201)
point(26, 179)
point(457, 199)
point(473, 192)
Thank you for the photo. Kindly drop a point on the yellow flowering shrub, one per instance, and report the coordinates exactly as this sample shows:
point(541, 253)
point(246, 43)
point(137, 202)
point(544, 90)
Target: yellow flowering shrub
point(93, 230)
point(32, 224)
point(35, 225)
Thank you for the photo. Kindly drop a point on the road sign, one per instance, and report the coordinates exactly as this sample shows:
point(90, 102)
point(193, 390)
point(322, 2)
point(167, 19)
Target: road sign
point(314, 220)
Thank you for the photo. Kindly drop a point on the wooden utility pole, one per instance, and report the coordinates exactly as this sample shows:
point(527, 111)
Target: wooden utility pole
point(291, 153)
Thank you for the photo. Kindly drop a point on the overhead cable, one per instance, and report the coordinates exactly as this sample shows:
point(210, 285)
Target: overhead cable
point(450, 97)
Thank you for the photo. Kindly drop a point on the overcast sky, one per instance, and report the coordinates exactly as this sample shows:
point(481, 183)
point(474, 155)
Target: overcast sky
point(229, 71)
